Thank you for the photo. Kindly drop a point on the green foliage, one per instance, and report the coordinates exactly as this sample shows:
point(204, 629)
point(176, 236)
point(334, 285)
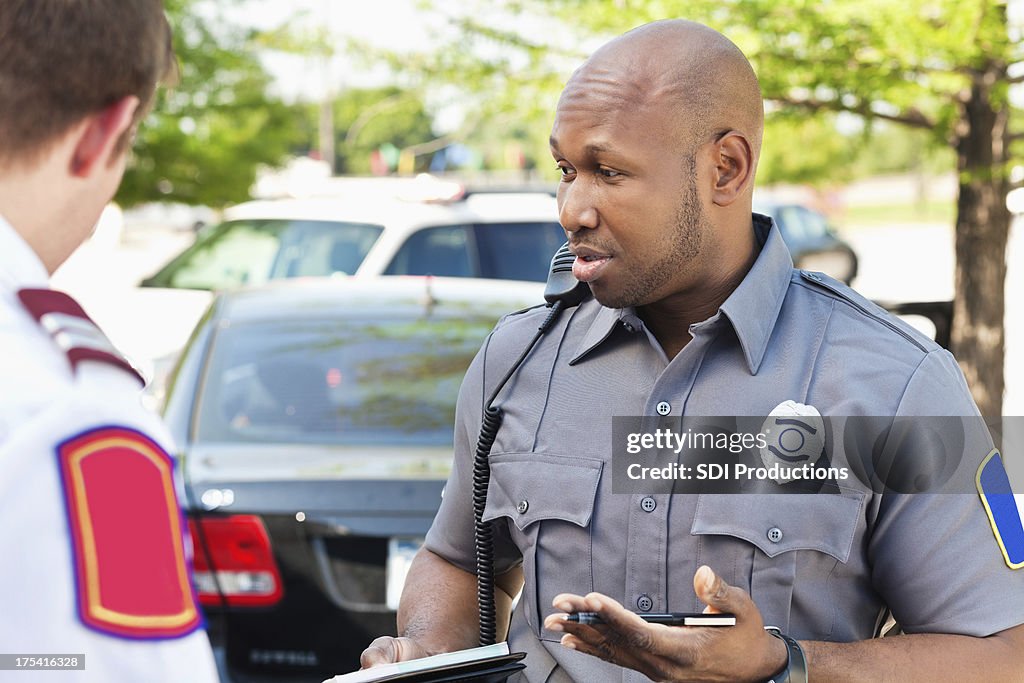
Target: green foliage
point(365, 119)
point(803, 150)
point(905, 62)
point(207, 134)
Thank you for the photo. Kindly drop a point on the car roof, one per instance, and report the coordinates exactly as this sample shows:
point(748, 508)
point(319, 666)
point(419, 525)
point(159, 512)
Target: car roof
point(396, 213)
point(387, 295)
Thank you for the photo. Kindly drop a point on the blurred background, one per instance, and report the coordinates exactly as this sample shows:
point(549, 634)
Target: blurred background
point(900, 122)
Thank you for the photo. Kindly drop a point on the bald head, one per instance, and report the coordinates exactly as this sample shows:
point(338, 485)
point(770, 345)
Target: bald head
point(693, 70)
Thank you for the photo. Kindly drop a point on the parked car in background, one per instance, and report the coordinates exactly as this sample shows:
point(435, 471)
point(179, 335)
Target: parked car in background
point(507, 236)
point(811, 241)
point(315, 420)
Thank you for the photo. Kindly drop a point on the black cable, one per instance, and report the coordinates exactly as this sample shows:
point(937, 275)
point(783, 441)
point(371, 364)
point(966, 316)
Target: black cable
point(483, 532)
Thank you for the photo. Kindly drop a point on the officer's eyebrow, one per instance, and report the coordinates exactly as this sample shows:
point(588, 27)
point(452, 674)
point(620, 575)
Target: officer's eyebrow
point(592, 149)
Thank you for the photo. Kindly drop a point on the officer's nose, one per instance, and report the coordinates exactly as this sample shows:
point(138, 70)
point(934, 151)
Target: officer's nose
point(576, 206)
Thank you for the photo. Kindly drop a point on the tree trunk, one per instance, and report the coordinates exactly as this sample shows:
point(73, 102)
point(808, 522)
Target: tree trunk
point(982, 228)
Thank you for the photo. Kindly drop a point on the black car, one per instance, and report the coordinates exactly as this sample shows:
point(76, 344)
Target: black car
point(811, 241)
point(315, 421)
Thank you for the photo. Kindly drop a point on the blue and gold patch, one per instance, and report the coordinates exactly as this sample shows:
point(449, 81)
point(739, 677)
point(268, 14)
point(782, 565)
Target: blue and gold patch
point(997, 497)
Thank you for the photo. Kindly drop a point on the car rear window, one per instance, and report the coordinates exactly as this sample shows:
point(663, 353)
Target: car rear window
point(250, 252)
point(380, 381)
point(502, 251)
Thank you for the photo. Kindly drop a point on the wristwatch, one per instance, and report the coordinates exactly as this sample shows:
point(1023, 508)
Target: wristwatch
point(796, 664)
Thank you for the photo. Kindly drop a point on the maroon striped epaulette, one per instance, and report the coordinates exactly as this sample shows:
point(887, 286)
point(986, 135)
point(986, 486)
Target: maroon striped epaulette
point(72, 329)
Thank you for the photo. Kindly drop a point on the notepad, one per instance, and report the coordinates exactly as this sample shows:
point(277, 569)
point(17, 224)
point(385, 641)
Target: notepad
point(442, 663)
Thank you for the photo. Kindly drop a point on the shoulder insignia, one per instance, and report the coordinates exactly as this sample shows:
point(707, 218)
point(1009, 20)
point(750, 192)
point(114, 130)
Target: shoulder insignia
point(127, 536)
point(72, 329)
point(1001, 507)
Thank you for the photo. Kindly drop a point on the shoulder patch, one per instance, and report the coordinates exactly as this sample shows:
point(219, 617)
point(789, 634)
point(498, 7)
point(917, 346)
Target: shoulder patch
point(1001, 507)
point(72, 329)
point(126, 535)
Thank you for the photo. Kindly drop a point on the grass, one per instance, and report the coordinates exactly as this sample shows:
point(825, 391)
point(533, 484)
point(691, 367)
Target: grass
point(876, 215)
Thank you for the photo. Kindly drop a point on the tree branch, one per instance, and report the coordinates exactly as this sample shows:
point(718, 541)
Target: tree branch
point(1015, 79)
point(911, 117)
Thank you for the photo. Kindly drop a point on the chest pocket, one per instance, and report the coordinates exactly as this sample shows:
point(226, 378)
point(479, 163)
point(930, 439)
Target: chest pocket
point(547, 502)
point(784, 549)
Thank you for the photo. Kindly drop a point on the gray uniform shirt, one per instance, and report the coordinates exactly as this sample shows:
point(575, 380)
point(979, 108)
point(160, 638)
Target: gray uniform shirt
point(823, 567)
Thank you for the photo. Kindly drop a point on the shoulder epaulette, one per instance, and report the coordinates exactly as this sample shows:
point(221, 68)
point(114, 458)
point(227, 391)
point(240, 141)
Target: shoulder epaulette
point(867, 307)
point(526, 310)
point(72, 329)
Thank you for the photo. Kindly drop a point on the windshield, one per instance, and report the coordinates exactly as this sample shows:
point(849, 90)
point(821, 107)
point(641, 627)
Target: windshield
point(250, 252)
point(380, 381)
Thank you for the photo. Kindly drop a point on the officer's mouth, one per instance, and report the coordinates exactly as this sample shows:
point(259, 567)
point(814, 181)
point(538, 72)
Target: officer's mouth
point(589, 264)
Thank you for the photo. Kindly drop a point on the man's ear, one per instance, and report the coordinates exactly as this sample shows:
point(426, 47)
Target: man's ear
point(98, 138)
point(734, 167)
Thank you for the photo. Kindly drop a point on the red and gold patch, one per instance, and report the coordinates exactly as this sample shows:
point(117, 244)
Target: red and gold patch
point(126, 531)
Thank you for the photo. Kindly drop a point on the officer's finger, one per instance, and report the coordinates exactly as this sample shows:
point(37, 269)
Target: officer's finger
point(718, 595)
point(608, 646)
point(569, 602)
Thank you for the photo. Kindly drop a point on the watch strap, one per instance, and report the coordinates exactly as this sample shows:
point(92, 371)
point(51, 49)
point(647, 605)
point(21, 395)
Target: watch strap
point(796, 665)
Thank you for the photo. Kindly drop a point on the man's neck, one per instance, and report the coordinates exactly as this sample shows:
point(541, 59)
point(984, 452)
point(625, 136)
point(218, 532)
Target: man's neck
point(669, 320)
point(35, 211)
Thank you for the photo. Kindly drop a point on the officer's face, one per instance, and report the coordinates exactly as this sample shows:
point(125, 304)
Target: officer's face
point(629, 197)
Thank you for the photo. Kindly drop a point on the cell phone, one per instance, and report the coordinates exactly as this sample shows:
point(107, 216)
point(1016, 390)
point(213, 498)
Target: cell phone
point(667, 618)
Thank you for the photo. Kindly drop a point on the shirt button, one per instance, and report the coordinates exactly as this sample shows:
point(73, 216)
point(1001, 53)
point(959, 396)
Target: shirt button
point(648, 504)
point(644, 603)
point(629, 327)
point(664, 408)
point(523, 506)
point(775, 534)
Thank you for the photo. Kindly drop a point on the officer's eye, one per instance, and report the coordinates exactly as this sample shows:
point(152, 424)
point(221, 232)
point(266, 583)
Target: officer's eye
point(608, 173)
point(566, 171)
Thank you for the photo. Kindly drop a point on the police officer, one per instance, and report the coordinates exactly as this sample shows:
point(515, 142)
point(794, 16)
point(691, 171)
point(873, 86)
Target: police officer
point(95, 578)
point(697, 310)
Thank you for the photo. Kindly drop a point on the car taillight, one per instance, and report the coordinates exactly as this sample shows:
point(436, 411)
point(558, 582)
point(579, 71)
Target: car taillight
point(234, 555)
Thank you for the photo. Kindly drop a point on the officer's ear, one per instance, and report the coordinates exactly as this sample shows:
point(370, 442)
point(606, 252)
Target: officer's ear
point(734, 167)
point(100, 136)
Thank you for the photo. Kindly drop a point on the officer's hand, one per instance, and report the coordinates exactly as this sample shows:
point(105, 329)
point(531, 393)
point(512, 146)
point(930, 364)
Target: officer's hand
point(385, 650)
point(744, 652)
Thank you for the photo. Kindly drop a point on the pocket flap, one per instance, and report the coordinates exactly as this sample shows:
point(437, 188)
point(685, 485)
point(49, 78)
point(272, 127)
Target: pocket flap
point(778, 523)
point(526, 487)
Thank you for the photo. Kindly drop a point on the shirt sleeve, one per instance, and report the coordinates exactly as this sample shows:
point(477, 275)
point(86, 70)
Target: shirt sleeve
point(935, 558)
point(452, 533)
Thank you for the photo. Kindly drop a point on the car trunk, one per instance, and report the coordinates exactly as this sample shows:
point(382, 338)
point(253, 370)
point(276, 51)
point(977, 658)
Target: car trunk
point(333, 515)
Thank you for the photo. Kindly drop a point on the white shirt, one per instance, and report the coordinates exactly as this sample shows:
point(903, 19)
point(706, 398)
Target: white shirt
point(55, 589)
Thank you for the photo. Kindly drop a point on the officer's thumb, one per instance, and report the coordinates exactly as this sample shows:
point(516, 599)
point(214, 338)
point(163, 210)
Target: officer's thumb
point(714, 591)
point(385, 650)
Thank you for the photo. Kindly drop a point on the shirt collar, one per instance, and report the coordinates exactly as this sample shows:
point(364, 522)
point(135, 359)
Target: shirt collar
point(20, 267)
point(752, 308)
